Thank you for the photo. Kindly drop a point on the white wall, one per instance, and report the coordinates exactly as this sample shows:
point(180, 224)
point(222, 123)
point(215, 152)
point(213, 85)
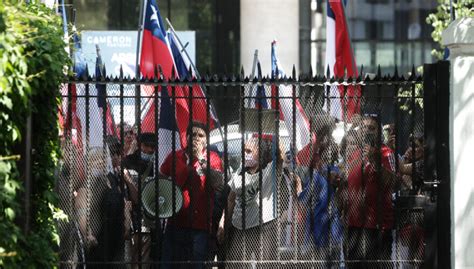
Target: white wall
point(262, 21)
point(459, 37)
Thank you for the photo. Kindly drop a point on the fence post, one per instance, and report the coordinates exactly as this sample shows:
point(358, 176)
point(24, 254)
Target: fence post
point(459, 38)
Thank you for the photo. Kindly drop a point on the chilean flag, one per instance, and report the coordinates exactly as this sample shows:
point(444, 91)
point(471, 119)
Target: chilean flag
point(339, 56)
point(286, 107)
point(155, 51)
point(199, 102)
point(159, 50)
point(301, 123)
point(102, 101)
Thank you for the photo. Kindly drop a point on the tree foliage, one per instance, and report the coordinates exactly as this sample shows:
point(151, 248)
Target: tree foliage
point(32, 58)
point(442, 17)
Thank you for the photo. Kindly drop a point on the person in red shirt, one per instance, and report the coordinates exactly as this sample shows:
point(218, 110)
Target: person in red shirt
point(198, 174)
point(370, 214)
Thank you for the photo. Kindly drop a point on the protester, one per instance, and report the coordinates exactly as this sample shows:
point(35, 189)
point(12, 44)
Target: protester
point(198, 172)
point(88, 207)
point(130, 139)
point(139, 166)
point(411, 164)
point(323, 228)
point(113, 209)
point(217, 245)
point(67, 184)
point(250, 218)
point(370, 214)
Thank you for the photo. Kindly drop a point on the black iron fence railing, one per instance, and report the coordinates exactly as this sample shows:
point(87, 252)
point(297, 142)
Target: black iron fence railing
point(237, 172)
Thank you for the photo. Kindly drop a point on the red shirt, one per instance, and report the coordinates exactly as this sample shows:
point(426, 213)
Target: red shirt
point(366, 191)
point(196, 212)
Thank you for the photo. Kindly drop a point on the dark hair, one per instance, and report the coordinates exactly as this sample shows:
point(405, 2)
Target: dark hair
point(374, 117)
point(115, 147)
point(323, 124)
point(148, 139)
point(196, 124)
point(351, 133)
point(266, 152)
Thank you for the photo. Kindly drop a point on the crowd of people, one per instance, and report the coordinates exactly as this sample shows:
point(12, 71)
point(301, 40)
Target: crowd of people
point(338, 207)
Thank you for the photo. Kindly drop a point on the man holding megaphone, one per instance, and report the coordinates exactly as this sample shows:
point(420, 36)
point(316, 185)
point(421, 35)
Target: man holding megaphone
point(198, 172)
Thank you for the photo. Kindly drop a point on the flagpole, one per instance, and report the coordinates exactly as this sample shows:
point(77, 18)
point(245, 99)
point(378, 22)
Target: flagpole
point(141, 23)
point(184, 49)
point(139, 39)
point(255, 60)
point(197, 75)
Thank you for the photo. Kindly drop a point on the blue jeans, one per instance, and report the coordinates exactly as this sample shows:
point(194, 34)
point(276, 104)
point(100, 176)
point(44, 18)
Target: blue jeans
point(184, 245)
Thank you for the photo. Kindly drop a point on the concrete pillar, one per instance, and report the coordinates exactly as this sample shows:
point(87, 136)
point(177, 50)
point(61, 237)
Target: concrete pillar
point(261, 22)
point(459, 38)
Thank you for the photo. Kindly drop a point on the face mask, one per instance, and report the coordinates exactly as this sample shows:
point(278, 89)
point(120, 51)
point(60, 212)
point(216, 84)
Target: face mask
point(250, 161)
point(146, 157)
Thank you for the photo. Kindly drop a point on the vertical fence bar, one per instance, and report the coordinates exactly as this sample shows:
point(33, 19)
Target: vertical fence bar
point(156, 233)
point(87, 172)
point(396, 129)
point(208, 187)
point(277, 168)
point(432, 215)
point(414, 176)
point(190, 145)
point(173, 149)
point(381, 187)
point(104, 115)
point(242, 147)
point(122, 139)
point(293, 173)
point(68, 154)
point(443, 166)
point(138, 122)
point(260, 175)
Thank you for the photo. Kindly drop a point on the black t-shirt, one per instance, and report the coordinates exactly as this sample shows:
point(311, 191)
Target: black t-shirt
point(135, 162)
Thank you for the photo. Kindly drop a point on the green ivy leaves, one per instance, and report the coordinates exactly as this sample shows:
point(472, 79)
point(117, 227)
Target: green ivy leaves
point(32, 58)
point(441, 19)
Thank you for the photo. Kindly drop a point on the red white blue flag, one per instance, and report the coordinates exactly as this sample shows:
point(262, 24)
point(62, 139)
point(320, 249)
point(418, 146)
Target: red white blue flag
point(260, 96)
point(157, 51)
point(102, 101)
point(199, 101)
point(340, 57)
point(299, 126)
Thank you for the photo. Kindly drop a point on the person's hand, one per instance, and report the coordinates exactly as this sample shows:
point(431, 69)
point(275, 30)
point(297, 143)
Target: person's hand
point(198, 149)
point(391, 141)
point(128, 178)
point(220, 234)
point(369, 153)
point(91, 241)
point(407, 157)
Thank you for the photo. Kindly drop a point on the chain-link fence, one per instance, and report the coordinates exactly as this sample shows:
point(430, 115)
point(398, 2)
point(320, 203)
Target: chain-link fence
point(290, 173)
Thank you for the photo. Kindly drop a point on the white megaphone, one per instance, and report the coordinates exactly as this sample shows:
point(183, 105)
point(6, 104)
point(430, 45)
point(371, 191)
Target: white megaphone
point(163, 193)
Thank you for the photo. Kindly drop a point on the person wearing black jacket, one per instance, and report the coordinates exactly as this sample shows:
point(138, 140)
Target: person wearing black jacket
point(140, 165)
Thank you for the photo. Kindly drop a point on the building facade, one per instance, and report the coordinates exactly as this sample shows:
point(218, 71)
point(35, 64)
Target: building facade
point(383, 32)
